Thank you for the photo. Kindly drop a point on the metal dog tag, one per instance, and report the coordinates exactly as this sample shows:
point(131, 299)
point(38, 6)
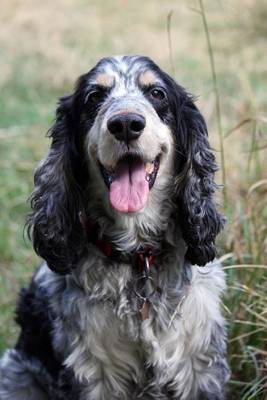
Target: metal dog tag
point(144, 310)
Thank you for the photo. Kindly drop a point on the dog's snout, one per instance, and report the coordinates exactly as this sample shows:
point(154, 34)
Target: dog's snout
point(126, 127)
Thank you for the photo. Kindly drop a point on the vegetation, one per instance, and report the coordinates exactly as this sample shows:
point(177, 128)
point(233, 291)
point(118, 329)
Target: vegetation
point(46, 45)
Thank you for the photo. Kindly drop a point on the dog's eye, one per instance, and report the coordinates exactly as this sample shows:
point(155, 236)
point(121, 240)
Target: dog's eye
point(95, 96)
point(157, 94)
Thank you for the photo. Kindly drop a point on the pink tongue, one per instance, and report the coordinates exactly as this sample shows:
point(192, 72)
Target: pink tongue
point(129, 191)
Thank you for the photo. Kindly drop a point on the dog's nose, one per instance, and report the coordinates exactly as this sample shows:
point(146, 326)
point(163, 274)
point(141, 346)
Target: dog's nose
point(126, 127)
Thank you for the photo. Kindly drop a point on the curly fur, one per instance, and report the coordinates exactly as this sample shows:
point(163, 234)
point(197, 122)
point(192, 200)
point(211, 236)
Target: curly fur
point(81, 334)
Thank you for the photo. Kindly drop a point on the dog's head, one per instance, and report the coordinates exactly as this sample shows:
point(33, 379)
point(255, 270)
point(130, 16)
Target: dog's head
point(133, 139)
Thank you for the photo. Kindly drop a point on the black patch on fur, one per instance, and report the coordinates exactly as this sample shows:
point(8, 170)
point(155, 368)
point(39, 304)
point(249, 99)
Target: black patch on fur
point(35, 319)
point(194, 189)
point(66, 388)
point(54, 224)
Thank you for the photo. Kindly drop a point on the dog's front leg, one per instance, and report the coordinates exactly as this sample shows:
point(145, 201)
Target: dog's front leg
point(107, 368)
point(212, 382)
point(203, 376)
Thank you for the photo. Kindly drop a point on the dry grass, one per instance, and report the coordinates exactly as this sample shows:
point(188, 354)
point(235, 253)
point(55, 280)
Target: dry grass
point(46, 45)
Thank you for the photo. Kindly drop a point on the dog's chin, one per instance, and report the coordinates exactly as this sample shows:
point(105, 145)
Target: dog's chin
point(130, 182)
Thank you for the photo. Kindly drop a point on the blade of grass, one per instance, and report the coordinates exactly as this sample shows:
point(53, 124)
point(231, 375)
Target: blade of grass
point(245, 335)
point(169, 21)
point(217, 99)
point(245, 266)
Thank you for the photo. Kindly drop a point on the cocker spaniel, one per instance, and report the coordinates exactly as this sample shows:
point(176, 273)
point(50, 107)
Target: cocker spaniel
point(127, 303)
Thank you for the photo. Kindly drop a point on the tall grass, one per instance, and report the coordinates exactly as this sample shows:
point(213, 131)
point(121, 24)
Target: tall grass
point(217, 99)
point(246, 300)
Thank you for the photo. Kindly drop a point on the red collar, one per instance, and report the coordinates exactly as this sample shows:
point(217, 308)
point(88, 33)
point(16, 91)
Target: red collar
point(142, 256)
point(143, 287)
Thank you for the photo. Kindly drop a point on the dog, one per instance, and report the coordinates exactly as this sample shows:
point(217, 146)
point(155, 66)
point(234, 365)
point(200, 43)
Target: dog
point(127, 303)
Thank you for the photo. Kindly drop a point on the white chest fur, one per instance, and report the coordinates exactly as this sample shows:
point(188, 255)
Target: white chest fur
point(100, 334)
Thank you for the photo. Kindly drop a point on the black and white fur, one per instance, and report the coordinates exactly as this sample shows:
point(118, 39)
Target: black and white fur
point(81, 333)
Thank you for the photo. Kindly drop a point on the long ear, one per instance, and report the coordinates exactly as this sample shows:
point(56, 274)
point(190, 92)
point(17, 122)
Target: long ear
point(53, 224)
point(199, 220)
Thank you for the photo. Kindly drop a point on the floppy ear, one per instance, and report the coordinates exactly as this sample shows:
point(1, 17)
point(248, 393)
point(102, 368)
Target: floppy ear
point(197, 215)
point(53, 224)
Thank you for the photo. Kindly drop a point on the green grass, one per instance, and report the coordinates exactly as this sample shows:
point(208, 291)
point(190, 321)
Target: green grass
point(45, 49)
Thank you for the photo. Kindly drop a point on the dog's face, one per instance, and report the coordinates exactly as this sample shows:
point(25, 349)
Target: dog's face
point(135, 133)
point(128, 137)
point(129, 141)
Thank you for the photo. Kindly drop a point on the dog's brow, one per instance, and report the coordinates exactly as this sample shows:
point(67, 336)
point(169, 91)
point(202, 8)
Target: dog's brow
point(104, 79)
point(148, 78)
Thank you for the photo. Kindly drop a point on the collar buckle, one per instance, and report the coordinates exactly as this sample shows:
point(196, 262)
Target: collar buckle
point(145, 258)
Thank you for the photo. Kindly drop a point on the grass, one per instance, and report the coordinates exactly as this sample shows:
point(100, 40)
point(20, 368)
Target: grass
point(44, 49)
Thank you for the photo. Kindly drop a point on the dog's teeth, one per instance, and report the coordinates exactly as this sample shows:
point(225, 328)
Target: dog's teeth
point(149, 167)
point(148, 177)
point(110, 179)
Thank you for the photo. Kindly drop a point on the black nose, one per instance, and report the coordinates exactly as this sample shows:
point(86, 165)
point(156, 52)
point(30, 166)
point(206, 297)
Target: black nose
point(126, 127)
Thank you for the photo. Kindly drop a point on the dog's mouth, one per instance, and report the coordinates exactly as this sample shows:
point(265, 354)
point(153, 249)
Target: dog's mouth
point(129, 182)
